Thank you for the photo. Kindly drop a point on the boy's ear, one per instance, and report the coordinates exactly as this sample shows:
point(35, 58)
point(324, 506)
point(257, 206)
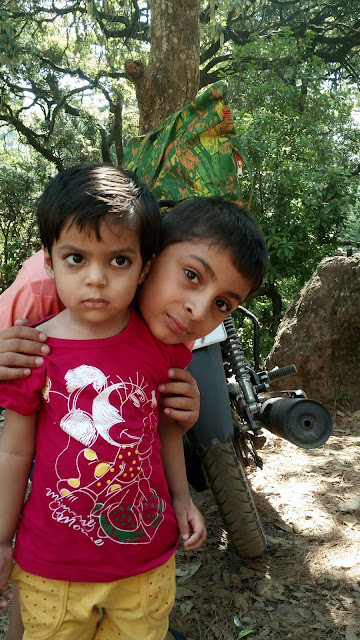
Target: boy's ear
point(145, 270)
point(48, 264)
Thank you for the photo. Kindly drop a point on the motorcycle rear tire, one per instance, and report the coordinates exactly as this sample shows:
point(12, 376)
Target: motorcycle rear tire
point(230, 488)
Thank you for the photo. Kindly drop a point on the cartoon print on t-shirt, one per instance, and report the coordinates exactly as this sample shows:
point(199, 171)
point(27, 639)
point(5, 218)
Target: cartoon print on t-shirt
point(115, 493)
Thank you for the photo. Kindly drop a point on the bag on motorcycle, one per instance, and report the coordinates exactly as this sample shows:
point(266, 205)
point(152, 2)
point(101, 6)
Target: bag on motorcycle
point(194, 152)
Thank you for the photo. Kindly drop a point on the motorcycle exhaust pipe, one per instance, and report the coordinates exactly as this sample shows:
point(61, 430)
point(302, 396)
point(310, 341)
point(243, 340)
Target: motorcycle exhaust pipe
point(306, 423)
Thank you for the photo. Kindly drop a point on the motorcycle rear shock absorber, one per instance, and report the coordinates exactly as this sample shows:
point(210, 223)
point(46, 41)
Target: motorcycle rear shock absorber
point(245, 397)
point(238, 366)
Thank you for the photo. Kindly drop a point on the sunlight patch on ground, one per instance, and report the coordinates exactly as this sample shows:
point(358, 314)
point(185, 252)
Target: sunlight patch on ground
point(224, 541)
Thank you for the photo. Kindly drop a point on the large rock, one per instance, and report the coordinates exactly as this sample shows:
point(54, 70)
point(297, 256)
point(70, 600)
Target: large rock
point(320, 333)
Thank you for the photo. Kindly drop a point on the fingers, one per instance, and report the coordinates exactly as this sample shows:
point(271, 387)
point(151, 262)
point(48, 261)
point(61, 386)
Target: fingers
point(14, 365)
point(23, 333)
point(6, 561)
point(182, 403)
point(183, 525)
point(190, 522)
point(15, 348)
point(184, 410)
point(183, 375)
point(183, 419)
point(196, 540)
point(182, 383)
point(13, 373)
point(198, 529)
point(5, 597)
point(21, 321)
point(179, 388)
point(3, 604)
point(21, 349)
point(181, 398)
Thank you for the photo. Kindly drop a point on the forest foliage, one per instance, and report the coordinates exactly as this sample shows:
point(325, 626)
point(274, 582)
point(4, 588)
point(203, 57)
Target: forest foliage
point(292, 69)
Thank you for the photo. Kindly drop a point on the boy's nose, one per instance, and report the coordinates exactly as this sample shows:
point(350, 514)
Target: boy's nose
point(96, 276)
point(198, 309)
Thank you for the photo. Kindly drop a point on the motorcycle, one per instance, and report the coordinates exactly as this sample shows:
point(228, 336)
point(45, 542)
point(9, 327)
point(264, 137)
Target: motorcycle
point(236, 404)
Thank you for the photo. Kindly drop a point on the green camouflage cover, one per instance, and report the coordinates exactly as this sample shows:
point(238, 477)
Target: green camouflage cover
point(194, 152)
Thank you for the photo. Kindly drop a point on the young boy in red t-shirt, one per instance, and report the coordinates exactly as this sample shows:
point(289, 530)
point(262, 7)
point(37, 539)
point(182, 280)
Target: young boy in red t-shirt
point(100, 528)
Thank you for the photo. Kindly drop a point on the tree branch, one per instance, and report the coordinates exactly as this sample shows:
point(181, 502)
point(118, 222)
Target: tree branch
point(32, 139)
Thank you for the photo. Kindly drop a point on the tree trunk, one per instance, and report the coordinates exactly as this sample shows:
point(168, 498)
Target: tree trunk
point(276, 301)
point(171, 79)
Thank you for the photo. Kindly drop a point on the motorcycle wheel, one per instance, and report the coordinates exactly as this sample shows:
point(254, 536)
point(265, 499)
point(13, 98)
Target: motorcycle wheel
point(230, 488)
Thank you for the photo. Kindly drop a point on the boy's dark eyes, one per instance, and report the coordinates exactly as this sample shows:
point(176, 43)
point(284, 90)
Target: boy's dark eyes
point(191, 275)
point(120, 261)
point(74, 258)
point(223, 306)
point(77, 258)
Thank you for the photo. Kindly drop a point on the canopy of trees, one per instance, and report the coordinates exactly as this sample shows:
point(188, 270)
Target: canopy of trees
point(68, 73)
point(68, 59)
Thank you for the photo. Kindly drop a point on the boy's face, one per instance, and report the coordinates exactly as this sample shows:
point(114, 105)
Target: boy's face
point(97, 279)
point(190, 289)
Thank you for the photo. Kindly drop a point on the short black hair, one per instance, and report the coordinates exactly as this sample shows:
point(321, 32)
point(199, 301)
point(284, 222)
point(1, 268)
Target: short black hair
point(86, 194)
point(221, 222)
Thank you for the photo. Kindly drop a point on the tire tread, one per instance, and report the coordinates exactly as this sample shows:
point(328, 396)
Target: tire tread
point(232, 495)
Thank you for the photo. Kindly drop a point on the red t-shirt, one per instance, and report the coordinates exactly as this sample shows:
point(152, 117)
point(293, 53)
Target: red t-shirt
point(99, 508)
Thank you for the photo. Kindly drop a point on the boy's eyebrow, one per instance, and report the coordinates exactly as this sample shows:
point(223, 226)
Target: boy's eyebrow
point(211, 272)
point(74, 248)
point(233, 294)
point(205, 264)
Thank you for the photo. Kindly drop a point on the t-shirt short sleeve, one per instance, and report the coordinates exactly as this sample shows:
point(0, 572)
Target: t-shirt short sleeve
point(23, 396)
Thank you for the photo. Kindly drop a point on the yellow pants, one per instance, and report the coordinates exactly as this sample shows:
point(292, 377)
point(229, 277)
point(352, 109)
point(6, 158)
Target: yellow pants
point(135, 608)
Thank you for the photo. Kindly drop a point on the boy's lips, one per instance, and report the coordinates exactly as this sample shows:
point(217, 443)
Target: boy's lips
point(176, 326)
point(95, 303)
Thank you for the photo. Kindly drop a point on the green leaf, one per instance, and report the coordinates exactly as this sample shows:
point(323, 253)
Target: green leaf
point(185, 607)
point(244, 633)
point(188, 571)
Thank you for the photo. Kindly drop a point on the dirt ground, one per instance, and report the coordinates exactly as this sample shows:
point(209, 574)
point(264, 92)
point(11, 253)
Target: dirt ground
point(307, 585)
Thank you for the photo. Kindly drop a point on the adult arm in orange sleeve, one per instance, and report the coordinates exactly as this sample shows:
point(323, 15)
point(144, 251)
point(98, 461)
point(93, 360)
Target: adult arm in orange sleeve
point(32, 296)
